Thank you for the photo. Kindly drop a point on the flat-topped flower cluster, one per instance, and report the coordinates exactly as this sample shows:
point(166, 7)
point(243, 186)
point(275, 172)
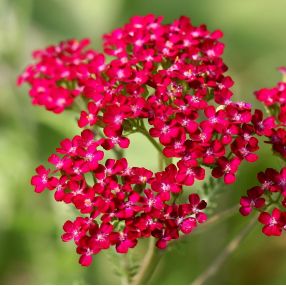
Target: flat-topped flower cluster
point(168, 82)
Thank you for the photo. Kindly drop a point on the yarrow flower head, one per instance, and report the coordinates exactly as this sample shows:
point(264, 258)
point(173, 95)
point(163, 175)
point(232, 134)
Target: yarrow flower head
point(269, 197)
point(120, 205)
point(271, 191)
point(167, 82)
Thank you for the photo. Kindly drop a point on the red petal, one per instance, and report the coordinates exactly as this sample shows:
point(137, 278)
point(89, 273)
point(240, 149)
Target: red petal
point(85, 260)
point(229, 178)
point(264, 218)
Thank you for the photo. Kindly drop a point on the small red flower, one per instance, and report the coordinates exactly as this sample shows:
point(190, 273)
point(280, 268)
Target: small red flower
point(90, 117)
point(272, 223)
point(196, 205)
point(253, 200)
point(227, 169)
point(187, 173)
point(42, 181)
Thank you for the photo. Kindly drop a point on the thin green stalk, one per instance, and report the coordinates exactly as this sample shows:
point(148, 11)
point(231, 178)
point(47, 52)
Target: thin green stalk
point(219, 217)
point(148, 264)
point(151, 139)
point(221, 258)
point(160, 161)
point(143, 130)
point(125, 279)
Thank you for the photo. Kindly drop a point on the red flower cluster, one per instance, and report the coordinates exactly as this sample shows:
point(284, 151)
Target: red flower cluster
point(175, 73)
point(272, 191)
point(171, 77)
point(58, 76)
point(122, 203)
point(275, 101)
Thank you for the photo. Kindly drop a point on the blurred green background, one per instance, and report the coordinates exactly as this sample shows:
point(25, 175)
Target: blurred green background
point(31, 251)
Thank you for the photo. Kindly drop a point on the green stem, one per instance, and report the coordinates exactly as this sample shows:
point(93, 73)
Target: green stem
point(220, 216)
point(151, 139)
point(220, 259)
point(160, 161)
point(142, 129)
point(125, 279)
point(148, 264)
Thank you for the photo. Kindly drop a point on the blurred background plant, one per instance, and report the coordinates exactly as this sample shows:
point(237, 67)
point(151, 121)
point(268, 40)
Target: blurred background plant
point(31, 251)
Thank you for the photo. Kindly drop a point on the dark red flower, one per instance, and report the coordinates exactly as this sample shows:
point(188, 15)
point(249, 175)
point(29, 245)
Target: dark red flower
point(272, 223)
